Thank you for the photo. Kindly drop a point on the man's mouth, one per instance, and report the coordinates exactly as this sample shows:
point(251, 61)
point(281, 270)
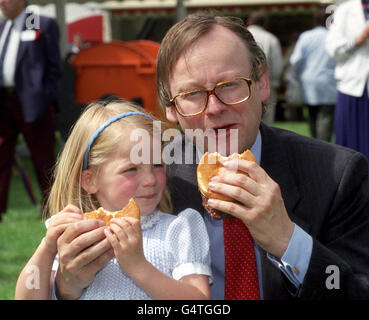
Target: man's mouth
point(224, 129)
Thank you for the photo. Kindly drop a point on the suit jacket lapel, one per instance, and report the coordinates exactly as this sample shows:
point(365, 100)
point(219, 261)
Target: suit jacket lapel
point(193, 192)
point(182, 178)
point(275, 161)
point(23, 45)
point(2, 25)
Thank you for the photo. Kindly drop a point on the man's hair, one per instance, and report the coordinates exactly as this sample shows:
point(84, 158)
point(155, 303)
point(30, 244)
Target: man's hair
point(183, 34)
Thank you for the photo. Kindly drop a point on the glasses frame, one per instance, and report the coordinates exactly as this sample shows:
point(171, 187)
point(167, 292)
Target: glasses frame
point(209, 93)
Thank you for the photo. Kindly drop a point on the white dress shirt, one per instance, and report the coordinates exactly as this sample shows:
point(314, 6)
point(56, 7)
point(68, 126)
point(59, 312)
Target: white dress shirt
point(352, 69)
point(10, 59)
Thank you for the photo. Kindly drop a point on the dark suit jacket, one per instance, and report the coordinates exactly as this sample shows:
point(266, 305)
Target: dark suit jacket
point(38, 68)
point(326, 192)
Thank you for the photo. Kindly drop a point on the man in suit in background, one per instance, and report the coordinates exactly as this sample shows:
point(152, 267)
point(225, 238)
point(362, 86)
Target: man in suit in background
point(30, 67)
point(305, 203)
point(258, 25)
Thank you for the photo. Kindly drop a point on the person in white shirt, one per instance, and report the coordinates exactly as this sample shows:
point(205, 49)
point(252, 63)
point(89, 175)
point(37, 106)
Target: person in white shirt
point(348, 43)
point(314, 69)
point(257, 24)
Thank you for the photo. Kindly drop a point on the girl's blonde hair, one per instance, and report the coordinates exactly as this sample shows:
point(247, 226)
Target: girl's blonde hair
point(67, 188)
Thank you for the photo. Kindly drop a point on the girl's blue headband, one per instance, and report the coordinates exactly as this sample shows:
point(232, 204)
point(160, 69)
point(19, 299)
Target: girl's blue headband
point(107, 123)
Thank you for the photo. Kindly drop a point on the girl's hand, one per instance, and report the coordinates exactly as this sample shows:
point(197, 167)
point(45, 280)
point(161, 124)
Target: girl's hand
point(83, 251)
point(57, 225)
point(125, 237)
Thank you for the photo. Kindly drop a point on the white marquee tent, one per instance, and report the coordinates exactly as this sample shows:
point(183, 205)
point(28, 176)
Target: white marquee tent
point(179, 5)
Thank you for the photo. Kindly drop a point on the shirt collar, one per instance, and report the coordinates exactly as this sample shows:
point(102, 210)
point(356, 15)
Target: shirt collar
point(256, 148)
point(365, 8)
point(19, 20)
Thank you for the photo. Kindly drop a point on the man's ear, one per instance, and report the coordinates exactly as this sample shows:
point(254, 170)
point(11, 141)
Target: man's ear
point(171, 114)
point(88, 182)
point(264, 86)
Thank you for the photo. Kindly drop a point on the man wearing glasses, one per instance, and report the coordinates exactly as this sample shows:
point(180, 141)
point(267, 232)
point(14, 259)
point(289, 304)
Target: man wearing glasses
point(306, 203)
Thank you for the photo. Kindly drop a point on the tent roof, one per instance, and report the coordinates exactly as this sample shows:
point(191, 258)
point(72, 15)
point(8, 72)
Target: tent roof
point(45, 2)
point(202, 3)
point(164, 4)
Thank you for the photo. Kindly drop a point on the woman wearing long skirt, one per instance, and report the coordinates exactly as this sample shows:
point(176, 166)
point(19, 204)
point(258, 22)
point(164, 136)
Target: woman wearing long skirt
point(348, 43)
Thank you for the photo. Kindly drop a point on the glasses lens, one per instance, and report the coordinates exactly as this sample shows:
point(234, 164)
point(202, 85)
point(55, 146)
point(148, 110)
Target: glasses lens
point(233, 91)
point(191, 102)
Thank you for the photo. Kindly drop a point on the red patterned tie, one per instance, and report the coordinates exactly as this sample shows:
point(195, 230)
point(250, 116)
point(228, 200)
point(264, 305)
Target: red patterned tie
point(241, 278)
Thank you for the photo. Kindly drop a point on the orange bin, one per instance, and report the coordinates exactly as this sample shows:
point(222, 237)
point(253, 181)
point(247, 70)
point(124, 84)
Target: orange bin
point(125, 69)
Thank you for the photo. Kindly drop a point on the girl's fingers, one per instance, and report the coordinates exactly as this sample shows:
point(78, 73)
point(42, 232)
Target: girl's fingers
point(52, 236)
point(71, 208)
point(135, 223)
point(56, 231)
point(63, 219)
point(119, 231)
point(131, 226)
point(83, 230)
point(112, 238)
point(93, 252)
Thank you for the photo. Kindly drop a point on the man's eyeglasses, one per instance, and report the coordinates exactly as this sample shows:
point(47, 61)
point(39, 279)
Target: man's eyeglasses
point(193, 102)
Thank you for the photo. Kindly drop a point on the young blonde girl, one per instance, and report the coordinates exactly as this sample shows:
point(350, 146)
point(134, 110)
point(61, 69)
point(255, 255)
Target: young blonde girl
point(160, 257)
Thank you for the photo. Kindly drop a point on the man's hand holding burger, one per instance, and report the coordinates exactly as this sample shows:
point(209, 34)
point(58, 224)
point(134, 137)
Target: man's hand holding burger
point(257, 202)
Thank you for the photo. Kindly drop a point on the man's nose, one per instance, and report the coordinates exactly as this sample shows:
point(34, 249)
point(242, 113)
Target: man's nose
point(215, 106)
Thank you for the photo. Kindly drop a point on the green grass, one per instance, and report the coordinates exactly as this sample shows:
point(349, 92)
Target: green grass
point(22, 230)
point(300, 127)
point(20, 233)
